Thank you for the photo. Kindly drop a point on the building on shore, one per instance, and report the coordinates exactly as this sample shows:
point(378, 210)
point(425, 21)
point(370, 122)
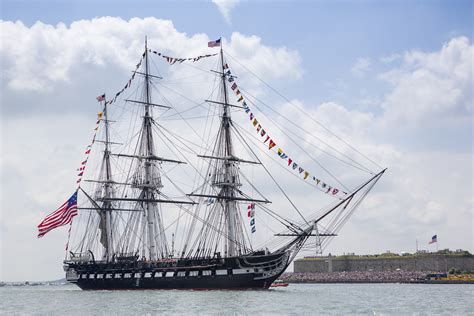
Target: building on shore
point(442, 261)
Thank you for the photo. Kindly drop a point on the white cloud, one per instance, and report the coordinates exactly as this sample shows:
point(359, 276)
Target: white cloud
point(390, 58)
point(431, 86)
point(225, 7)
point(267, 62)
point(50, 54)
point(361, 67)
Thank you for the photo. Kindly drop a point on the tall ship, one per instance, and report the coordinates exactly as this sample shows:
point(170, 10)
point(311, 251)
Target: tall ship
point(169, 201)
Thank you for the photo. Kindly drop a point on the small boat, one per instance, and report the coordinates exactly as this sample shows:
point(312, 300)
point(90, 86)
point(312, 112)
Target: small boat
point(279, 283)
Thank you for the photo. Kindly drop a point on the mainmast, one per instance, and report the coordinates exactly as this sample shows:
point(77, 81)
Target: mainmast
point(144, 234)
point(150, 184)
point(230, 176)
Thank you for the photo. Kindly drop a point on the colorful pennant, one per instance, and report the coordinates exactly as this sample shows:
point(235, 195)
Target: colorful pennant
point(174, 60)
point(170, 60)
point(271, 143)
point(82, 168)
point(129, 83)
point(251, 215)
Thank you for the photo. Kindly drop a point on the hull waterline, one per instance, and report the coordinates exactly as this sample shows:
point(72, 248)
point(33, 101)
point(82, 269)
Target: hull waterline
point(249, 272)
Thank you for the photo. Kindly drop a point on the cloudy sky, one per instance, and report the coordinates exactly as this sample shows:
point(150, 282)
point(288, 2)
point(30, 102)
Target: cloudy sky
point(394, 79)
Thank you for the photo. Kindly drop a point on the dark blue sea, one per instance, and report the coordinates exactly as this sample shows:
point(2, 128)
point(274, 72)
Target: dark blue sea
point(296, 299)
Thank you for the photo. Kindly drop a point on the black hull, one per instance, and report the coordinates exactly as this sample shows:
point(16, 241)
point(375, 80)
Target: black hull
point(203, 283)
point(245, 272)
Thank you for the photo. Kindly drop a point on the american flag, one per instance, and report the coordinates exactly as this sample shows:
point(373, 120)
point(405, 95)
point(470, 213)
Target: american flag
point(216, 43)
point(434, 239)
point(62, 216)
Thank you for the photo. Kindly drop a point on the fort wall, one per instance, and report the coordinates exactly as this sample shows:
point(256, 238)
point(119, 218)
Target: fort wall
point(432, 262)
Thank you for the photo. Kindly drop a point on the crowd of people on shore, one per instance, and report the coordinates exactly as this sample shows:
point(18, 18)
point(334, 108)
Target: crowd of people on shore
point(355, 276)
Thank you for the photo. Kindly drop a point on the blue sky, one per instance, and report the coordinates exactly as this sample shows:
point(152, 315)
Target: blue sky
point(393, 78)
point(329, 35)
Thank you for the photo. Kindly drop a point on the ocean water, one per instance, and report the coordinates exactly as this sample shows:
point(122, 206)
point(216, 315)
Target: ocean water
point(296, 299)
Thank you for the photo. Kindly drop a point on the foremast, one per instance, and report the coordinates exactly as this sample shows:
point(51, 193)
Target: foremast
point(104, 192)
point(143, 232)
point(108, 193)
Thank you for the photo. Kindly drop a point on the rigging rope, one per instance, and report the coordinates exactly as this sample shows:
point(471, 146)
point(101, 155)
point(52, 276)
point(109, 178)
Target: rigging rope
point(298, 126)
point(268, 172)
point(304, 112)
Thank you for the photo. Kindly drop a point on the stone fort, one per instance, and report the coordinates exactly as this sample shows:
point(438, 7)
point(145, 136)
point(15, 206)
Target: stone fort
point(387, 262)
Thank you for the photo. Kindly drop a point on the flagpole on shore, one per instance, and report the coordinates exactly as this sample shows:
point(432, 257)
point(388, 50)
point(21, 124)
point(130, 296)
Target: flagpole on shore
point(434, 239)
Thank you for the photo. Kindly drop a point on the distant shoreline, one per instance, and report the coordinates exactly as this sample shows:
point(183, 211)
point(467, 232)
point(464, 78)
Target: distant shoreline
point(388, 281)
point(414, 277)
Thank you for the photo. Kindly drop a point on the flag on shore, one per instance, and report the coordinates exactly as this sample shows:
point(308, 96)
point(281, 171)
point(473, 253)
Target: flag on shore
point(216, 43)
point(433, 239)
point(62, 216)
